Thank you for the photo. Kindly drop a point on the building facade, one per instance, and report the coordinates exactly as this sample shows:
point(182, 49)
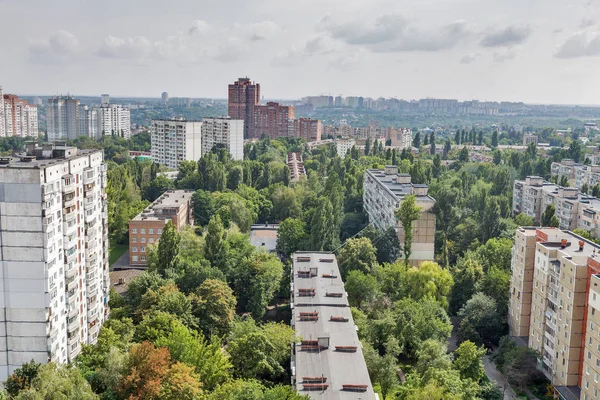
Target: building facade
point(174, 141)
point(173, 206)
point(308, 129)
point(88, 122)
point(383, 193)
point(243, 97)
point(54, 258)
point(62, 118)
point(554, 304)
point(577, 175)
point(296, 166)
point(529, 139)
point(226, 132)
point(114, 119)
point(344, 146)
point(17, 116)
point(273, 120)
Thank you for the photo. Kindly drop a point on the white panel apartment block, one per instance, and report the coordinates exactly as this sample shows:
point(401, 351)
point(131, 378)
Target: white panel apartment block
point(223, 131)
point(53, 254)
point(174, 141)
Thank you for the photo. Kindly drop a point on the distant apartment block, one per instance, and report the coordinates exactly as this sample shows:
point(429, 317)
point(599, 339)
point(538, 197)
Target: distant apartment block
point(243, 97)
point(308, 129)
point(62, 118)
point(225, 132)
point(114, 119)
point(577, 174)
point(88, 122)
point(400, 138)
point(383, 193)
point(573, 209)
point(319, 101)
point(54, 254)
point(296, 166)
point(554, 305)
point(343, 146)
point(173, 206)
point(273, 120)
point(327, 360)
point(529, 139)
point(17, 116)
point(174, 141)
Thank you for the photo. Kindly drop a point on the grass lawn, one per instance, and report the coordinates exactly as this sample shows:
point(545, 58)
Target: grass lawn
point(115, 251)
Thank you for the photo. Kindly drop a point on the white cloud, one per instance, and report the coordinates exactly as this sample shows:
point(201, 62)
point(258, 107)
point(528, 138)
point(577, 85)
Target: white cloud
point(59, 47)
point(395, 33)
point(263, 30)
point(138, 47)
point(580, 44)
point(504, 55)
point(470, 58)
point(507, 36)
point(316, 45)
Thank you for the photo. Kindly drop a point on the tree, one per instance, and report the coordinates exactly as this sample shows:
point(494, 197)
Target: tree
point(382, 370)
point(235, 177)
point(291, 236)
point(257, 280)
point(214, 307)
point(142, 284)
point(463, 155)
point(58, 382)
point(432, 141)
point(480, 321)
point(564, 181)
point(216, 243)
point(585, 188)
point(497, 157)
point(426, 140)
point(495, 139)
point(417, 140)
point(496, 284)
point(361, 288)
point(323, 231)
point(447, 147)
point(437, 166)
point(204, 207)
point(467, 359)
point(168, 248)
point(549, 218)
point(367, 146)
point(432, 354)
point(156, 187)
point(429, 281)
point(490, 223)
point(388, 245)
point(21, 378)
point(480, 138)
point(524, 220)
point(357, 254)
point(457, 137)
point(496, 252)
point(408, 213)
point(168, 299)
point(466, 276)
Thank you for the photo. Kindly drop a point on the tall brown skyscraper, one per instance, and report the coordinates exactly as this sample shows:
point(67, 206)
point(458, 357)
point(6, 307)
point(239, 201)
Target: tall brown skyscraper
point(244, 96)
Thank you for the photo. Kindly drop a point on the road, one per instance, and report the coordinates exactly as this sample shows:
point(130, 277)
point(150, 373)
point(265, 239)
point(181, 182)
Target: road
point(495, 376)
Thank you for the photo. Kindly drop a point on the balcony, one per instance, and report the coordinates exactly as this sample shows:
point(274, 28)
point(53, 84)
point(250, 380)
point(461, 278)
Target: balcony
point(73, 325)
point(89, 176)
point(88, 204)
point(68, 186)
point(92, 313)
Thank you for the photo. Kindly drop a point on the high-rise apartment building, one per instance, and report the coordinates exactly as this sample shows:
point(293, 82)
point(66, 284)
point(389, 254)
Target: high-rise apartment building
point(243, 97)
point(88, 122)
point(17, 116)
point(343, 146)
point(273, 120)
point(175, 140)
point(165, 98)
point(62, 118)
point(384, 191)
point(573, 208)
point(54, 254)
point(173, 206)
point(308, 129)
point(114, 119)
point(554, 304)
point(104, 99)
point(225, 132)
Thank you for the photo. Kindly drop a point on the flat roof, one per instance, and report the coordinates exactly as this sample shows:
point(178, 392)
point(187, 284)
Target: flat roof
point(119, 280)
point(399, 189)
point(338, 367)
point(169, 199)
point(264, 236)
point(40, 163)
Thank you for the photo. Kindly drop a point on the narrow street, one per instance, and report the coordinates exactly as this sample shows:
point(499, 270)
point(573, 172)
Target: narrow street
point(495, 376)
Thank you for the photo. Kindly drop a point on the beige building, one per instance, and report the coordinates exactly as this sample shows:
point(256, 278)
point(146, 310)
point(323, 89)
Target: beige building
point(384, 191)
point(145, 229)
point(590, 387)
point(519, 306)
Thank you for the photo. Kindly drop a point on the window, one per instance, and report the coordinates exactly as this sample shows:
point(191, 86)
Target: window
point(596, 378)
point(587, 371)
point(143, 240)
point(143, 249)
point(134, 258)
point(151, 231)
point(133, 230)
point(134, 240)
point(143, 258)
point(134, 249)
point(159, 231)
point(592, 326)
point(143, 231)
point(151, 240)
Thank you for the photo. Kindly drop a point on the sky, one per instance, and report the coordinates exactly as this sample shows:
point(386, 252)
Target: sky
point(536, 51)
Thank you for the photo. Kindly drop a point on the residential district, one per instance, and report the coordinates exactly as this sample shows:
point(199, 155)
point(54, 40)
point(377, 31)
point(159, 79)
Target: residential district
point(261, 255)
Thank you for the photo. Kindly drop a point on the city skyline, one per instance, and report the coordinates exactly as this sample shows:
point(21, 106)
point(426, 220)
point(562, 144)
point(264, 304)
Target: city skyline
point(538, 52)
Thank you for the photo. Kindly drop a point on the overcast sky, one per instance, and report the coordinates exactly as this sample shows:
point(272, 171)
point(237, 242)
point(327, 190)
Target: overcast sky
point(545, 51)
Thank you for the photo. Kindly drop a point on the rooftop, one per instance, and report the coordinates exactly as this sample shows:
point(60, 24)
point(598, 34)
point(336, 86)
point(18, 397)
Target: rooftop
point(399, 190)
point(264, 236)
point(39, 157)
point(119, 280)
point(171, 199)
point(330, 349)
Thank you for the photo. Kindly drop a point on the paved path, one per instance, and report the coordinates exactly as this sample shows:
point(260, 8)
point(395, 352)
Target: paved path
point(122, 262)
point(494, 375)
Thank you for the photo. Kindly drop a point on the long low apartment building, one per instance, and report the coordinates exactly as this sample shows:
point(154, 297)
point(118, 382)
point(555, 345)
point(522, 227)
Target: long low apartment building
point(383, 193)
point(575, 210)
point(577, 174)
point(145, 229)
point(327, 362)
point(554, 305)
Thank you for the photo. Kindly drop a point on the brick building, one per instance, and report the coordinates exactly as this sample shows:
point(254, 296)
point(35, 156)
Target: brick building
point(273, 120)
point(145, 229)
point(243, 97)
point(308, 128)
